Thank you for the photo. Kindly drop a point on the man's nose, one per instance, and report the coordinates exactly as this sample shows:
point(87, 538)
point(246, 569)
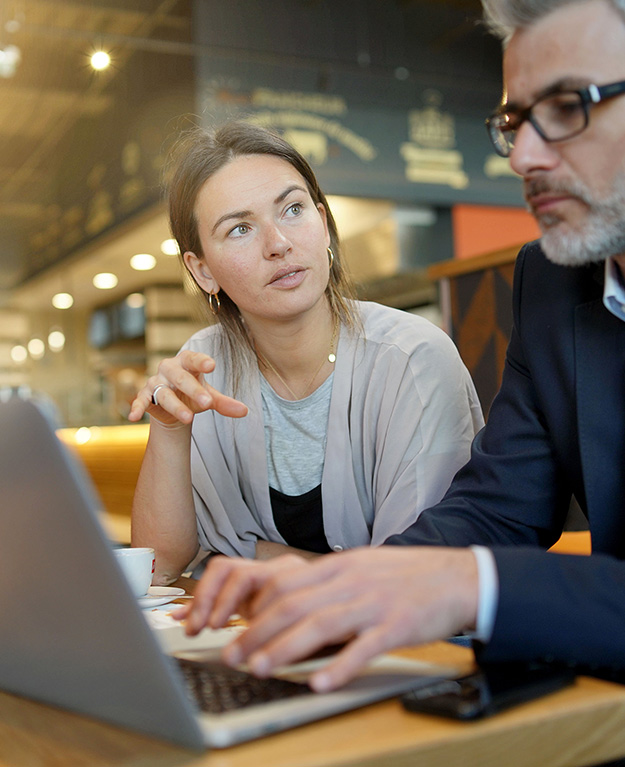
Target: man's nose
point(531, 152)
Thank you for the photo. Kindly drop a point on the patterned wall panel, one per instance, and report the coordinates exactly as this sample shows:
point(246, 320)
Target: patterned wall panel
point(481, 322)
point(477, 310)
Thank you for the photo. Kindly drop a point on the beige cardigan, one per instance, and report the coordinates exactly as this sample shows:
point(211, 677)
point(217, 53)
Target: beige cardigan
point(402, 417)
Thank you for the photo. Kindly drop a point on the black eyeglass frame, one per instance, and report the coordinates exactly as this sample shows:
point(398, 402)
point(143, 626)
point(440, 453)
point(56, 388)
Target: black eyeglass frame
point(589, 96)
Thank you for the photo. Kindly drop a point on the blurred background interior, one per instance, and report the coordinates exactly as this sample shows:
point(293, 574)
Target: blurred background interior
point(386, 98)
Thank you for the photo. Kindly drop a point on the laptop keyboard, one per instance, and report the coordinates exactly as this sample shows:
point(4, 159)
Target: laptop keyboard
point(216, 688)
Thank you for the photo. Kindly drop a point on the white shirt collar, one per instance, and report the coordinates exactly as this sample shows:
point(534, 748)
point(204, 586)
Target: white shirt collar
point(614, 289)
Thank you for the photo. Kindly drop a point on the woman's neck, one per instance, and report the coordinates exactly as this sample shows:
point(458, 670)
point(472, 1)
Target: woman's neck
point(295, 357)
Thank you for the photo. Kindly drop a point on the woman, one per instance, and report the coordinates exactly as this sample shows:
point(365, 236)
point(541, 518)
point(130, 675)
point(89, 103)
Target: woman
point(356, 416)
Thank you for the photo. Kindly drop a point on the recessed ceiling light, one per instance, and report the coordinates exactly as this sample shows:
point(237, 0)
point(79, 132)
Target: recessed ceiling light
point(100, 60)
point(36, 348)
point(170, 247)
point(135, 300)
point(19, 354)
point(105, 281)
point(143, 262)
point(62, 300)
point(56, 340)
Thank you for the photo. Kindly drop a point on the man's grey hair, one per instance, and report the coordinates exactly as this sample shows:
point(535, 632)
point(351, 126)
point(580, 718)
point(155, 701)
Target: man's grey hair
point(504, 17)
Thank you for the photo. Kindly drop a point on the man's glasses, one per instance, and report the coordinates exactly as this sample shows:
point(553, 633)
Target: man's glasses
point(555, 116)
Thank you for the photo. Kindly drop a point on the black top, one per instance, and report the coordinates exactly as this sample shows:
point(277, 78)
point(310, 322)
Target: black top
point(299, 519)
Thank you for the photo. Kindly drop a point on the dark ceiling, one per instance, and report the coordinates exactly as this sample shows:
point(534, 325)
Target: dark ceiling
point(58, 116)
point(55, 107)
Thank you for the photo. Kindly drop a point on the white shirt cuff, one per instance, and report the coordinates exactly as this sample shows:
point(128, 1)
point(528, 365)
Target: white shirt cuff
point(488, 593)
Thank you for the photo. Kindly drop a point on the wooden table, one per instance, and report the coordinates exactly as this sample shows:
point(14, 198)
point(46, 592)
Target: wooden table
point(581, 725)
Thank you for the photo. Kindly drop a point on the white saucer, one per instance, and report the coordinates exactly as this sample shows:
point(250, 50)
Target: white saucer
point(159, 595)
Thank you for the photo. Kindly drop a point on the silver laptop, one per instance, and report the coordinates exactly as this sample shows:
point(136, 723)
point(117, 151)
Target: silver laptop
point(74, 636)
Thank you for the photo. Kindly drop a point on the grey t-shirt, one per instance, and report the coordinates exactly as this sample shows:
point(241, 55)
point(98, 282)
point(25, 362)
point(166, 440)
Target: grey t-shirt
point(295, 437)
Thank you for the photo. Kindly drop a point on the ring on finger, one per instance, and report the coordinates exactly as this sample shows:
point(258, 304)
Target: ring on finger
point(154, 393)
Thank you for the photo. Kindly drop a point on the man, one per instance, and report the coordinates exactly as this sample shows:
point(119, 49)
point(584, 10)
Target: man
point(555, 429)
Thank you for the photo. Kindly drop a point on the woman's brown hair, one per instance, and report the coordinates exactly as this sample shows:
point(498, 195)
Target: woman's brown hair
point(197, 156)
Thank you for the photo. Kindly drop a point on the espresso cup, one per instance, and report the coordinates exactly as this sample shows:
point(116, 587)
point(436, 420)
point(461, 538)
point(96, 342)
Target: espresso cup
point(138, 567)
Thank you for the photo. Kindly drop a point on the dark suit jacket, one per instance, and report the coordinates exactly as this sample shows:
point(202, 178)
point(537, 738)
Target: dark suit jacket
point(556, 428)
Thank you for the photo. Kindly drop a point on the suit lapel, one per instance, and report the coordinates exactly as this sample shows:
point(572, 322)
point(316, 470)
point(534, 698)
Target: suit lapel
point(600, 395)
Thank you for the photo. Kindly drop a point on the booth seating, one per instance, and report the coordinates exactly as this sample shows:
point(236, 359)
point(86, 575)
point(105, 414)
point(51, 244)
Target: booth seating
point(573, 542)
point(112, 456)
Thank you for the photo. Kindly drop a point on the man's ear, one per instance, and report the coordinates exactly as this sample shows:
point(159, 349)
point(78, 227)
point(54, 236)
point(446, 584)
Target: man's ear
point(200, 272)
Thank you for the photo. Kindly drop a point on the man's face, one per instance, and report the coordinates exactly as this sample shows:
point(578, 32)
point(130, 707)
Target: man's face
point(575, 188)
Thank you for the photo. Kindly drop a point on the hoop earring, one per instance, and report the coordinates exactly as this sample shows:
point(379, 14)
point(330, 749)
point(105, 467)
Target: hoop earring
point(331, 257)
point(216, 306)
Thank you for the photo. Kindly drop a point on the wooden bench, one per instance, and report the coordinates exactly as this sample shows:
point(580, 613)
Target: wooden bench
point(577, 542)
point(112, 456)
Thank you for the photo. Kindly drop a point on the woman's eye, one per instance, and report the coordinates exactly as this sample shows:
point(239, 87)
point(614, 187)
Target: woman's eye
point(295, 209)
point(239, 230)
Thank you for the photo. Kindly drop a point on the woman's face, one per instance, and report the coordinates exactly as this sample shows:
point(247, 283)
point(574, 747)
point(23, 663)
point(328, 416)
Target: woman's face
point(264, 239)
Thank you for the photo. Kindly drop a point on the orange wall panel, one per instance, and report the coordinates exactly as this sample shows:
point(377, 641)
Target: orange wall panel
point(480, 229)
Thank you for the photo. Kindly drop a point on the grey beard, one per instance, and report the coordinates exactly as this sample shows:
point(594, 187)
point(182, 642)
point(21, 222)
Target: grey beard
point(601, 235)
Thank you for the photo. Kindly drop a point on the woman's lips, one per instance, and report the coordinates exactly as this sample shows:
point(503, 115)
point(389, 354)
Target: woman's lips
point(288, 277)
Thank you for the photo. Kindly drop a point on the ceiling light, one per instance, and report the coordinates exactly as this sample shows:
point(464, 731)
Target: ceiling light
point(135, 300)
point(100, 60)
point(62, 300)
point(36, 348)
point(56, 340)
point(105, 281)
point(143, 262)
point(170, 247)
point(19, 354)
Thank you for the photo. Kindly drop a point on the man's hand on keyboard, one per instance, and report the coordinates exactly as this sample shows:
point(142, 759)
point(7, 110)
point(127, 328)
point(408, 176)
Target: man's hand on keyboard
point(373, 600)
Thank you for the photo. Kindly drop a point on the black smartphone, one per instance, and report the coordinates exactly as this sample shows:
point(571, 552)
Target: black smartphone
point(488, 690)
